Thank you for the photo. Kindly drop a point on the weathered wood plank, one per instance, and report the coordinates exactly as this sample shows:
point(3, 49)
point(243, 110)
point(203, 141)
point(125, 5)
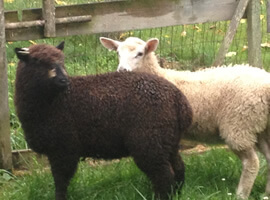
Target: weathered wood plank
point(11, 16)
point(63, 20)
point(239, 12)
point(254, 34)
point(26, 159)
point(28, 24)
point(129, 15)
point(48, 13)
point(5, 148)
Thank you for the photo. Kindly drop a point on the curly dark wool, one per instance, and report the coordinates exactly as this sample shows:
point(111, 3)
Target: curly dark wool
point(105, 116)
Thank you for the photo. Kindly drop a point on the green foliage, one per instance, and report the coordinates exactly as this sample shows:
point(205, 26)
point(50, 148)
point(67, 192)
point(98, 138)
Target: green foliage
point(5, 176)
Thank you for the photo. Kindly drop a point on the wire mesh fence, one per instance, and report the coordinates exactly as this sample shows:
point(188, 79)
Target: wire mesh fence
point(181, 47)
point(185, 47)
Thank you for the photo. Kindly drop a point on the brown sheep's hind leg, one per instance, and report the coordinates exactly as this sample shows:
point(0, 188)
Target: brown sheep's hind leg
point(63, 169)
point(160, 173)
point(179, 169)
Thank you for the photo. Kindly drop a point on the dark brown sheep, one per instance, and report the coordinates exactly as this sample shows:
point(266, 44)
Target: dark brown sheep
point(106, 116)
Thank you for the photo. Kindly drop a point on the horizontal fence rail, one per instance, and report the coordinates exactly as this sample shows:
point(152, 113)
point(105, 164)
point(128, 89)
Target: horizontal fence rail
point(122, 15)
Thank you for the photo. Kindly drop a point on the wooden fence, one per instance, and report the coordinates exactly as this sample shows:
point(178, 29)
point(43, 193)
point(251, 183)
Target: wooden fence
point(5, 146)
point(115, 16)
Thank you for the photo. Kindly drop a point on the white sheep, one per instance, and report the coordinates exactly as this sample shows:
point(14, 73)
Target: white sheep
point(231, 103)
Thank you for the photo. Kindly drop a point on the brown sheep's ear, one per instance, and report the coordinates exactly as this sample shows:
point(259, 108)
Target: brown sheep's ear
point(61, 46)
point(22, 53)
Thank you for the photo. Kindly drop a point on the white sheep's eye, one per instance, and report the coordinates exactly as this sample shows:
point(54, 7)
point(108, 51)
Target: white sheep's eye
point(139, 54)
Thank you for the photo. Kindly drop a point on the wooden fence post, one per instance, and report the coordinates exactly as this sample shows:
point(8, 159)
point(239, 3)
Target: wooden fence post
point(254, 33)
point(268, 16)
point(239, 12)
point(5, 146)
point(48, 12)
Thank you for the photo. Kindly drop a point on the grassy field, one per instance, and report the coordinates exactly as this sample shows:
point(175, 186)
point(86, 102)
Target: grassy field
point(210, 176)
point(213, 175)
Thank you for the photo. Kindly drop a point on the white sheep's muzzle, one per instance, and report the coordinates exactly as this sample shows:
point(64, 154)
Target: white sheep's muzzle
point(121, 68)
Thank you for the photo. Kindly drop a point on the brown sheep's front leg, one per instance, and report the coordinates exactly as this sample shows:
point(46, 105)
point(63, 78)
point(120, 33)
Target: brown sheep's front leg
point(63, 168)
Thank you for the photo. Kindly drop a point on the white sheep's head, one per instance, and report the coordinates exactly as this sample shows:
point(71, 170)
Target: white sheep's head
point(132, 53)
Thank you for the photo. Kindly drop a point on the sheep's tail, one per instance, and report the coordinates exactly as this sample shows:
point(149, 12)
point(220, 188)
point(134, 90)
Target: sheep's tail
point(268, 106)
point(185, 113)
point(267, 96)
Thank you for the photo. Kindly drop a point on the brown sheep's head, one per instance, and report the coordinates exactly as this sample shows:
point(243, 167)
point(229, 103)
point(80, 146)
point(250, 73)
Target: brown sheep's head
point(44, 64)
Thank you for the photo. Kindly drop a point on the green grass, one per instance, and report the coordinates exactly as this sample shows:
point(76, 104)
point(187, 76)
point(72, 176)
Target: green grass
point(213, 175)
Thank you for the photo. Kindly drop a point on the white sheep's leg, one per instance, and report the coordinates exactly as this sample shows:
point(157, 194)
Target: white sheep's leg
point(264, 146)
point(250, 168)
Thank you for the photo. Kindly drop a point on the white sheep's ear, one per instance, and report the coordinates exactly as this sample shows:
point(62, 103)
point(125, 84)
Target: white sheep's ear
point(61, 46)
point(22, 53)
point(109, 43)
point(151, 45)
